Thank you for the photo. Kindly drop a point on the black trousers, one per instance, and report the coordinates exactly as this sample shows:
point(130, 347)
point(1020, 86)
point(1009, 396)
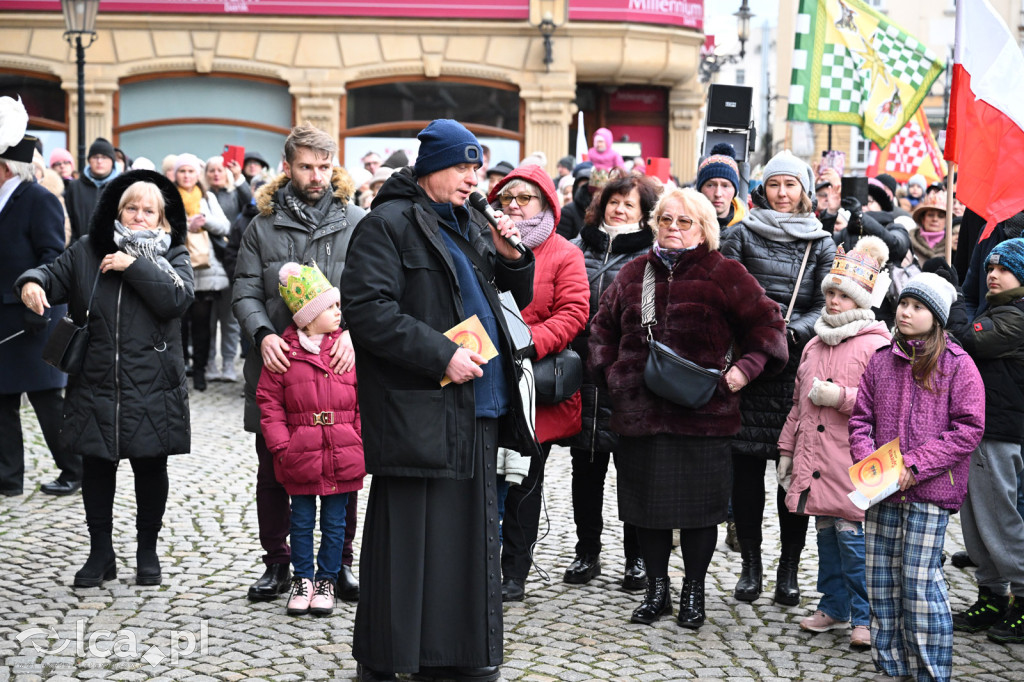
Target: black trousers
point(99, 481)
point(588, 474)
point(520, 526)
point(748, 504)
point(697, 546)
point(49, 407)
point(201, 314)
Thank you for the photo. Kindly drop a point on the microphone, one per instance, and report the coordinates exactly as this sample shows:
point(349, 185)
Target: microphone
point(477, 201)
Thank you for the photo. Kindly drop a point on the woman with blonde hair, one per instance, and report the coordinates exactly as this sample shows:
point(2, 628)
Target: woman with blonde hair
point(673, 462)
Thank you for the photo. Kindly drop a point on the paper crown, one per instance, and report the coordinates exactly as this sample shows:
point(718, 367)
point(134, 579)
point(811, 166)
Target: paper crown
point(306, 291)
point(861, 268)
point(858, 273)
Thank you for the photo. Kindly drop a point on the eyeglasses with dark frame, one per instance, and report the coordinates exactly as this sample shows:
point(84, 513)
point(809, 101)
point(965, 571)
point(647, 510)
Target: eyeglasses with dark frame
point(522, 199)
point(683, 222)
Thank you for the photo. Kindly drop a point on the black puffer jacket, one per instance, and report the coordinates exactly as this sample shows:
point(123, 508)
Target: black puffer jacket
point(604, 258)
point(130, 400)
point(874, 223)
point(765, 402)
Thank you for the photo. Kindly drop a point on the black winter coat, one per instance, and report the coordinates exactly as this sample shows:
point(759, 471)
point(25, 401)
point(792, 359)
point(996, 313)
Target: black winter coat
point(32, 225)
point(604, 258)
point(996, 343)
point(130, 400)
point(765, 402)
point(399, 294)
point(80, 199)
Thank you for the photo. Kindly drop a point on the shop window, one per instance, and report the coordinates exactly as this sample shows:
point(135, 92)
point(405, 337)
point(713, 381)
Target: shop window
point(46, 104)
point(200, 114)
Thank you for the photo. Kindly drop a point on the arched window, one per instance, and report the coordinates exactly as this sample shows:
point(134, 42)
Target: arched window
point(172, 113)
point(46, 104)
point(384, 115)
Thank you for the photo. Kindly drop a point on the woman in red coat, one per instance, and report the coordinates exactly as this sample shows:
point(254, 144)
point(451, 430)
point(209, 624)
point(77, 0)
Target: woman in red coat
point(558, 312)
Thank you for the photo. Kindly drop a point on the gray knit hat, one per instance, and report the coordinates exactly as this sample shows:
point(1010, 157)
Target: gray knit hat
point(784, 163)
point(936, 293)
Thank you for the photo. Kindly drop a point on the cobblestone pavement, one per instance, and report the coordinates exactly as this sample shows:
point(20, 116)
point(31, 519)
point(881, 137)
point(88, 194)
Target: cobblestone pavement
point(199, 626)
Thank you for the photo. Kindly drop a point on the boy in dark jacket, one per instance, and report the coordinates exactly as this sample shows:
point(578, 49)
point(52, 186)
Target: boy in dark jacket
point(993, 530)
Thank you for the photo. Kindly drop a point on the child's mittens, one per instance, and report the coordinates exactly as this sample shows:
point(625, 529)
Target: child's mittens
point(825, 393)
point(784, 470)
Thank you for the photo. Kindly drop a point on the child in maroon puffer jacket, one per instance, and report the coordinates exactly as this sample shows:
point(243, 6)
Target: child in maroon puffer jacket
point(310, 419)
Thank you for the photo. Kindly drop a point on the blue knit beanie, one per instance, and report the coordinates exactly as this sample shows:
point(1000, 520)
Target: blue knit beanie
point(1009, 254)
point(721, 163)
point(446, 143)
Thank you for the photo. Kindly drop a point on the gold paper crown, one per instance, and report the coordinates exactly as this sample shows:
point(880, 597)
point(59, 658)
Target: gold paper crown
point(860, 268)
point(300, 289)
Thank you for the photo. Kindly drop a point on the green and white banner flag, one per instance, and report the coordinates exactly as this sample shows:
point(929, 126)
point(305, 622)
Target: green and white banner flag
point(853, 66)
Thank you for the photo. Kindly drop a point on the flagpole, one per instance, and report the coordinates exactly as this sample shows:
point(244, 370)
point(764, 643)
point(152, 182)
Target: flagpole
point(950, 191)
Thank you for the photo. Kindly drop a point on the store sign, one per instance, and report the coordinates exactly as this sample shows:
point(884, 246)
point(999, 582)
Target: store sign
point(419, 9)
point(637, 99)
point(685, 13)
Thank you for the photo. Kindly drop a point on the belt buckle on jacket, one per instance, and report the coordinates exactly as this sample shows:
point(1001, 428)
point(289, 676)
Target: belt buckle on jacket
point(325, 418)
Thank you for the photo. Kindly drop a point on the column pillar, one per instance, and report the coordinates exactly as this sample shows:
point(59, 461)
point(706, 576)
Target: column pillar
point(99, 109)
point(549, 112)
point(319, 105)
point(685, 101)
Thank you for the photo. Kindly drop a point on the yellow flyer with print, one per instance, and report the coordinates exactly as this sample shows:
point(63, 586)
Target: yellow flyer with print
point(876, 476)
point(471, 334)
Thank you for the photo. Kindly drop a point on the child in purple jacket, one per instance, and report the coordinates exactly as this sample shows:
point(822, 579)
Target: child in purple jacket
point(925, 390)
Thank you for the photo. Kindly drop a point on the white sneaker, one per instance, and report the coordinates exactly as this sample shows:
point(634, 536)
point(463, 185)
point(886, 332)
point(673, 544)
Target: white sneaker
point(212, 373)
point(229, 373)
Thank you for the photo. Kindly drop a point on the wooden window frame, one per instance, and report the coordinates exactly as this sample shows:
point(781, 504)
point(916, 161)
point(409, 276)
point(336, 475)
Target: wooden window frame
point(39, 121)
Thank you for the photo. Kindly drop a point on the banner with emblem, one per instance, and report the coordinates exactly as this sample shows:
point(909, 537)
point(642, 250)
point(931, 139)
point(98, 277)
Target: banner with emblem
point(912, 151)
point(853, 66)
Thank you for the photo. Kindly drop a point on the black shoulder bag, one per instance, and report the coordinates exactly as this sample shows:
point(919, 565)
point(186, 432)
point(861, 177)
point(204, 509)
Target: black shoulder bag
point(668, 374)
point(67, 345)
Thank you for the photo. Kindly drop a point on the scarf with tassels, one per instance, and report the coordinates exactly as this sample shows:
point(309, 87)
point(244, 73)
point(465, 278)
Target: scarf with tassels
point(149, 244)
point(191, 198)
point(834, 329)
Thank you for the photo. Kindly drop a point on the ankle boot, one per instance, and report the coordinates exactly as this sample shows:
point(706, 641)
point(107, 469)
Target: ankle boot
point(750, 584)
point(691, 605)
point(657, 602)
point(147, 563)
point(101, 564)
point(787, 591)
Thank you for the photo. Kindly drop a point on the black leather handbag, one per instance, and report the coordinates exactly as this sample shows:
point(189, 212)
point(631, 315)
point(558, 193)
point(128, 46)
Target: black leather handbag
point(68, 344)
point(668, 374)
point(558, 376)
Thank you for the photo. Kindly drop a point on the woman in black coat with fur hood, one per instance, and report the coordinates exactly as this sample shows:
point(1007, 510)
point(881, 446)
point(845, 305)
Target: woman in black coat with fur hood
point(130, 281)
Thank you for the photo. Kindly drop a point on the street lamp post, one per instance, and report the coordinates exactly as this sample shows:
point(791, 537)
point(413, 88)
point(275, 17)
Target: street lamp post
point(711, 63)
point(79, 21)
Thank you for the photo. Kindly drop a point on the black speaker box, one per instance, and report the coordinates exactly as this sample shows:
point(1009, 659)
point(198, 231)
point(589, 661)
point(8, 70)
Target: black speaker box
point(729, 106)
point(855, 187)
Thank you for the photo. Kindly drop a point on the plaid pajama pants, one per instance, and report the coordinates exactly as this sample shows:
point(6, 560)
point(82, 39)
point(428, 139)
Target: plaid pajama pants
point(912, 626)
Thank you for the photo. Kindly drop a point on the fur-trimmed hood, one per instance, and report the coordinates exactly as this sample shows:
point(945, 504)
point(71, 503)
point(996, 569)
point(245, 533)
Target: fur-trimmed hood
point(341, 181)
point(101, 226)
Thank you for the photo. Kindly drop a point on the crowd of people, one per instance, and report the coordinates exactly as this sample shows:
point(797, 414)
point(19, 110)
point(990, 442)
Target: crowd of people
point(823, 326)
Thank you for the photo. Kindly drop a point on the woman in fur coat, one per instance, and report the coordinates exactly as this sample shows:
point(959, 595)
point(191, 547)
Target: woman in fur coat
point(673, 462)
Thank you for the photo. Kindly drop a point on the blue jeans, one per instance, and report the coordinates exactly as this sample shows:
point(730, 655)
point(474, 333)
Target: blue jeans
point(844, 592)
point(332, 535)
point(1020, 494)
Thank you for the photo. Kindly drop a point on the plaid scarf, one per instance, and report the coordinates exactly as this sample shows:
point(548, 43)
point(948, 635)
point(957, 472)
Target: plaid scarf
point(149, 244)
point(310, 216)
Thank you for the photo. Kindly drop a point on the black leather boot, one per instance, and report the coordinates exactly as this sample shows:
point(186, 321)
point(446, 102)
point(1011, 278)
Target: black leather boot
point(147, 563)
point(634, 578)
point(274, 582)
point(787, 591)
point(691, 605)
point(657, 602)
point(102, 562)
point(751, 581)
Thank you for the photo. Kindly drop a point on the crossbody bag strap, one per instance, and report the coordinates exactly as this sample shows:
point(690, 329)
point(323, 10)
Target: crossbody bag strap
point(799, 280)
point(604, 267)
point(88, 306)
point(647, 314)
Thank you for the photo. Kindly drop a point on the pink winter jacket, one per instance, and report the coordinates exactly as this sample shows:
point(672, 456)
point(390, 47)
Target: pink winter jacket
point(817, 438)
point(937, 429)
point(310, 419)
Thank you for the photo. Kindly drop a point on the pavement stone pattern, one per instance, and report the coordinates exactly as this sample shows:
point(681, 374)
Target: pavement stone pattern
point(199, 625)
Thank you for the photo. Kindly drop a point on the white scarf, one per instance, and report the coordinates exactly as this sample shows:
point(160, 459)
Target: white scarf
point(614, 231)
point(834, 329)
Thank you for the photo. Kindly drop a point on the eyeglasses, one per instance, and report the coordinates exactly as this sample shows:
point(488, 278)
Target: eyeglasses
point(521, 199)
point(684, 223)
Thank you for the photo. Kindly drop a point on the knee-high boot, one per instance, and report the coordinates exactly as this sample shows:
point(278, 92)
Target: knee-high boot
point(751, 581)
point(787, 590)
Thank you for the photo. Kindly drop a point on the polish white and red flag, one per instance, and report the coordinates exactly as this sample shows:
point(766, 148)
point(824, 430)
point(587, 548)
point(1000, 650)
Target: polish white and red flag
point(985, 135)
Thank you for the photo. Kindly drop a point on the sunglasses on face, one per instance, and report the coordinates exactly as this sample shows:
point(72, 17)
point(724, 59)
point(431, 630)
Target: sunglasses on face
point(521, 199)
point(684, 223)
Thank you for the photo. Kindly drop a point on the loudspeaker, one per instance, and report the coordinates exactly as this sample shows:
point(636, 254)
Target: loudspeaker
point(729, 106)
point(855, 186)
point(738, 140)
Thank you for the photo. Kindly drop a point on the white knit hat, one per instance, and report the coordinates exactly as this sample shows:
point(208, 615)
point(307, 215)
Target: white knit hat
point(856, 273)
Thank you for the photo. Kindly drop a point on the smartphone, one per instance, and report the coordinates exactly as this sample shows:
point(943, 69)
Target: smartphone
point(233, 153)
